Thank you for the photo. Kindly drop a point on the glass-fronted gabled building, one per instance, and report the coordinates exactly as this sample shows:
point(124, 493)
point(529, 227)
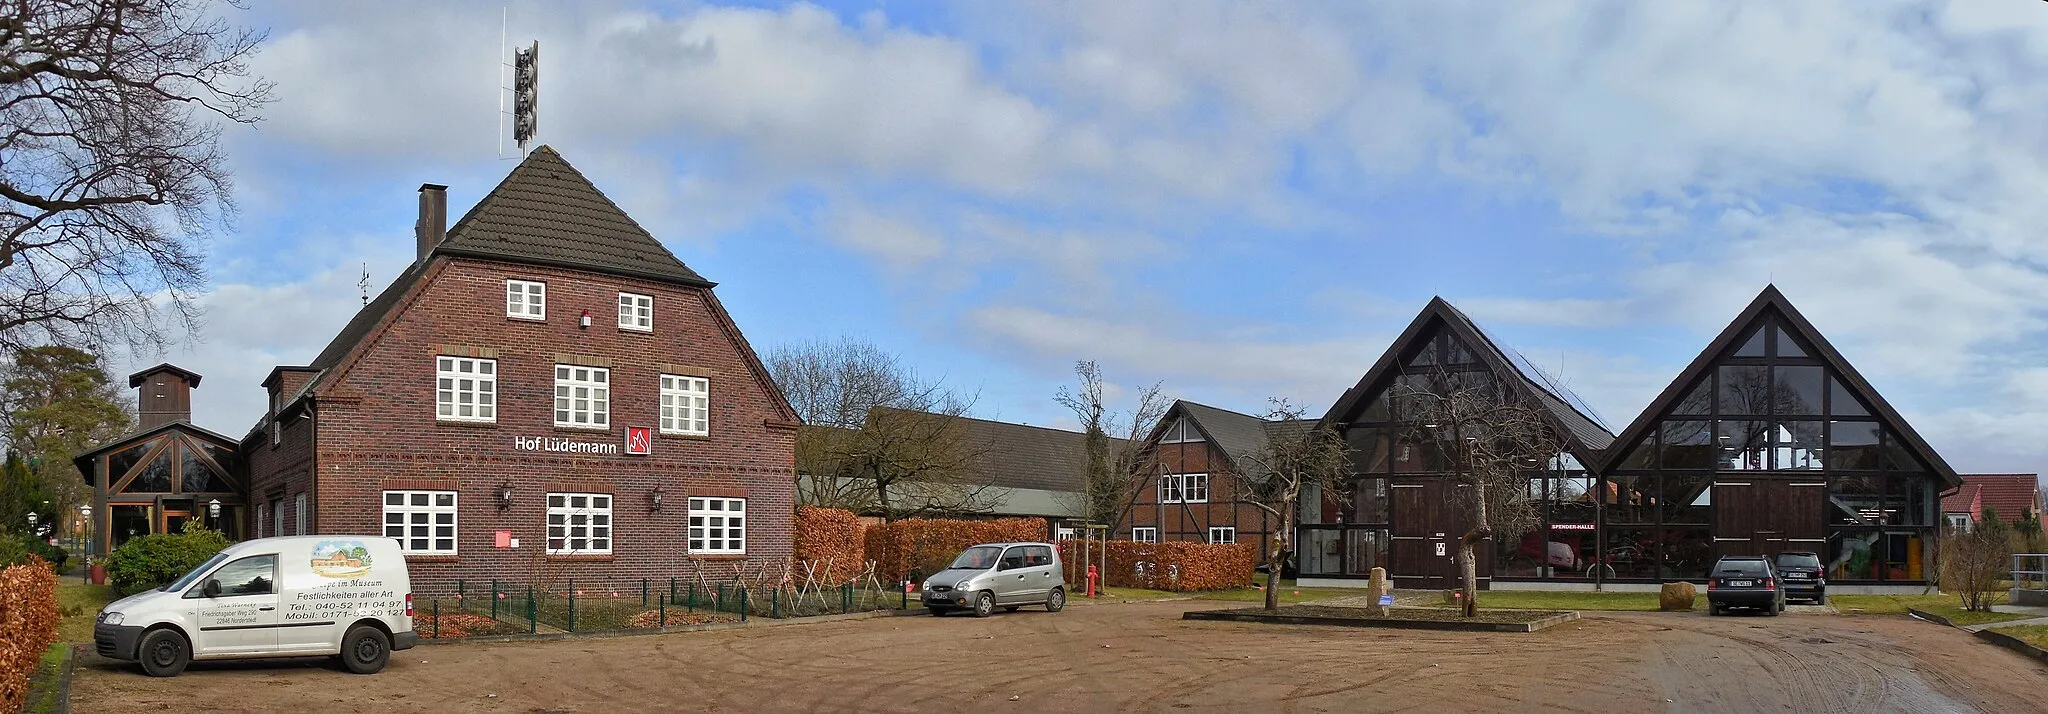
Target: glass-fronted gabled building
point(1768, 442)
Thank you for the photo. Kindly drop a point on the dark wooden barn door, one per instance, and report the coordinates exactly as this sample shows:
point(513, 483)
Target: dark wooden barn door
point(1428, 519)
point(1759, 515)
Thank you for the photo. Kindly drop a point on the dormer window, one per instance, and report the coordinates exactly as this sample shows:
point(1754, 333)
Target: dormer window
point(636, 312)
point(526, 300)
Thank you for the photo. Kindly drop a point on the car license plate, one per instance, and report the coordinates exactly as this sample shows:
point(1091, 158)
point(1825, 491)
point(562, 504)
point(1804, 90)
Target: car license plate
point(1797, 576)
point(1740, 583)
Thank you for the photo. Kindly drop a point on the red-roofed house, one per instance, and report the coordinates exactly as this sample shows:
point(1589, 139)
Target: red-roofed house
point(2008, 495)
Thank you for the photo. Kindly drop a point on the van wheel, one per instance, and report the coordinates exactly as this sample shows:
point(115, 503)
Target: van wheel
point(1056, 600)
point(984, 604)
point(165, 653)
point(365, 650)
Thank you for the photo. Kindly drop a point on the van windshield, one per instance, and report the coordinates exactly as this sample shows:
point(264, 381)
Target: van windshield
point(980, 557)
point(186, 582)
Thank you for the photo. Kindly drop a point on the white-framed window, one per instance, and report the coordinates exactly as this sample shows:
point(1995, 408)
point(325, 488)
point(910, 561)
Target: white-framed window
point(526, 300)
point(277, 516)
point(636, 312)
point(583, 396)
point(1184, 488)
point(1063, 533)
point(579, 523)
point(260, 519)
point(299, 518)
point(276, 437)
point(1222, 534)
point(465, 389)
point(1145, 534)
point(422, 521)
point(718, 525)
point(685, 405)
point(1960, 521)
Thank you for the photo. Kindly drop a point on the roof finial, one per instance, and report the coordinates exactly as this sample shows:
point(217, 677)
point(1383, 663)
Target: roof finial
point(364, 284)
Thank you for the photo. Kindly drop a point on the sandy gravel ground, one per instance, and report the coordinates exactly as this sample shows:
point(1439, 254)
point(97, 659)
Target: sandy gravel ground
point(1141, 657)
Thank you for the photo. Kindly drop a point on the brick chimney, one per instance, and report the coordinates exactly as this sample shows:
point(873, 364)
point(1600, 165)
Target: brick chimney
point(163, 394)
point(433, 222)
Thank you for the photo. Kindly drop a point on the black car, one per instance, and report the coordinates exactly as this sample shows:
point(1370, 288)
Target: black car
point(1747, 581)
point(1802, 577)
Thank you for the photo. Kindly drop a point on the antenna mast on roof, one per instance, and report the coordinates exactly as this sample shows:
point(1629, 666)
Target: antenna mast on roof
point(365, 284)
point(524, 90)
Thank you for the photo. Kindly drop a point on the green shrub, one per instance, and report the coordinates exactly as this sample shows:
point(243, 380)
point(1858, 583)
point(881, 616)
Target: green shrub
point(15, 549)
point(153, 560)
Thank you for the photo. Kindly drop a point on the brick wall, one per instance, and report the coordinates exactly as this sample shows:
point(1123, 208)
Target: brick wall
point(377, 430)
point(1191, 521)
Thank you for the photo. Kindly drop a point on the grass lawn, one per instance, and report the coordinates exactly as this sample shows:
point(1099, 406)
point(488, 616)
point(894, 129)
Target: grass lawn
point(1945, 605)
point(42, 685)
point(1545, 600)
point(79, 604)
point(1288, 593)
point(2036, 635)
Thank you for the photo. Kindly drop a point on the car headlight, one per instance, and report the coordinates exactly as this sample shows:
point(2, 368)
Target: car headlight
point(927, 585)
point(110, 618)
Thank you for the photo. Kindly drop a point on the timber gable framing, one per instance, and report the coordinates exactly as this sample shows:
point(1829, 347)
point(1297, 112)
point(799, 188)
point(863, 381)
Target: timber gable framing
point(1768, 304)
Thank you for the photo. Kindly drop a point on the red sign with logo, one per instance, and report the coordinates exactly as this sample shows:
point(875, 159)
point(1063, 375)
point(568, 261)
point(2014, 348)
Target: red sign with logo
point(639, 440)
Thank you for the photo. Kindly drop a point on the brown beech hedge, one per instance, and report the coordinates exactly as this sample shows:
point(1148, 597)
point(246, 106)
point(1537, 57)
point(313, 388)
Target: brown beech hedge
point(1175, 566)
point(925, 545)
point(28, 626)
point(830, 538)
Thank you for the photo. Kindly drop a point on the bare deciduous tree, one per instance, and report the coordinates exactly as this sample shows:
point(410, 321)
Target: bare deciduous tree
point(1490, 440)
point(1308, 457)
point(1975, 560)
point(877, 438)
point(1115, 444)
point(111, 172)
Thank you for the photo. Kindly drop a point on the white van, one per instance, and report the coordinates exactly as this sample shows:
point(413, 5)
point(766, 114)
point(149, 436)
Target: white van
point(345, 596)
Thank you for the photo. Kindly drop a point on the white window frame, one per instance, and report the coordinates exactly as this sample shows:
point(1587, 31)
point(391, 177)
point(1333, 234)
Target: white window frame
point(532, 303)
point(685, 405)
point(1228, 532)
point(636, 312)
point(1184, 488)
point(716, 513)
point(299, 519)
point(277, 517)
point(262, 514)
point(596, 398)
point(481, 378)
point(420, 514)
point(1144, 534)
point(579, 516)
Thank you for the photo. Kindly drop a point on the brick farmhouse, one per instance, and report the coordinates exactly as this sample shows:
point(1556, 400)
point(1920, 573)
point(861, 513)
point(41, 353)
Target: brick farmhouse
point(546, 387)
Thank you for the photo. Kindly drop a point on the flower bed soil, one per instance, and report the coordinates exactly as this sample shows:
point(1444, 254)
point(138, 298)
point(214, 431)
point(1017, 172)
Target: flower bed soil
point(461, 625)
point(653, 618)
point(1405, 617)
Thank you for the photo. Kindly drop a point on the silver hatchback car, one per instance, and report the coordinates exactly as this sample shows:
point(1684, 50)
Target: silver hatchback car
point(1005, 575)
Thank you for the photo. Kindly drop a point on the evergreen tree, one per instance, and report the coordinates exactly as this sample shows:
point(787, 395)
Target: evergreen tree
point(57, 402)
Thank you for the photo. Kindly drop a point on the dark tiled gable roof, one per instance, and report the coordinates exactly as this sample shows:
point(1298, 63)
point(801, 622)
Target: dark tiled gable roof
point(547, 212)
point(1236, 434)
point(544, 212)
point(1025, 456)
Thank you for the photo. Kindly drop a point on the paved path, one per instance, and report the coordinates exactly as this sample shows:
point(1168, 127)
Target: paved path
point(1143, 657)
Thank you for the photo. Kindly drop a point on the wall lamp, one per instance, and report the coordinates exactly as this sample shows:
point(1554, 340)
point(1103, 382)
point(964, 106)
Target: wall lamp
point(654, 498)
point(505, 496)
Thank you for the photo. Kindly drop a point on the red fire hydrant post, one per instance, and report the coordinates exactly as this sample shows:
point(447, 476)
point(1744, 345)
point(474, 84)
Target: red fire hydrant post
point(1091, 581)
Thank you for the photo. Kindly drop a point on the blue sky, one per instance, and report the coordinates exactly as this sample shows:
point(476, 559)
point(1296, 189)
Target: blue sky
point(1237, 201)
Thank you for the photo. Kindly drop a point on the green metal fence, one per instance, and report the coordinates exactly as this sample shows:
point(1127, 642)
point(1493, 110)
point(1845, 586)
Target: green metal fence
point(503, 607)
